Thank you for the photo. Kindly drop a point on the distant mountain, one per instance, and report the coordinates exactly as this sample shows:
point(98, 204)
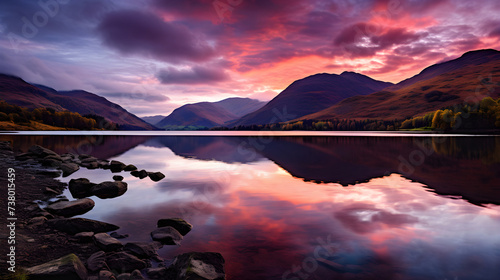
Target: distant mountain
point(153, 120)
point(16, 91)
point(469, 78)
point(310, 95)
point(210, 114)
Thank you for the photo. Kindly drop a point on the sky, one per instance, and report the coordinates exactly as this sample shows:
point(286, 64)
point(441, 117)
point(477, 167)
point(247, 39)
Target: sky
point(152, 56)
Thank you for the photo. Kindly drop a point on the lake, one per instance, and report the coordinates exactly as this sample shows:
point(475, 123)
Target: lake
point(322, 206)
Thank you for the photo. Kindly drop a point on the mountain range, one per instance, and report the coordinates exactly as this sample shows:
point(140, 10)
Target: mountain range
point(16, 91)
point(210, 114)
point(469, 78)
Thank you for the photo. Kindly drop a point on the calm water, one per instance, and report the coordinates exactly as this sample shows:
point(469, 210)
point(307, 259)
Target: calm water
point(314, 207)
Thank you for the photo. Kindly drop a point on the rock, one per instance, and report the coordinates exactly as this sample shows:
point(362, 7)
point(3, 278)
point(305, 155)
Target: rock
point(136, 275)
point(84, 237)
point(41, 152)
point(52, 161)
point(130, 167)
point(106, 275)
point(198, 266)
point(84, 156)
point(37, 221)
point(68, 267)
point(179, 224)
point(157, 273)
point(140, 174)
point(109, 189)
point(106, 242)
point(71, 208)
point(93, 277)
point(103, 163)
point(118, 178)
point(88, 159)
point(24, 156)
point(80, 187)
point(76, 225)
point(117, 235)
point(167, 236)
point(124, 262)
point(123, 276)
point(156, 176)
point(143, 250)
point(116, 166)
point(90, 165)
point(69, 168)
point(97, 261)
point(54, 157)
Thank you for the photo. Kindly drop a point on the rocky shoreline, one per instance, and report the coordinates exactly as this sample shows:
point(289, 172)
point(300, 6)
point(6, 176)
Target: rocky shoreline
point(51, 244)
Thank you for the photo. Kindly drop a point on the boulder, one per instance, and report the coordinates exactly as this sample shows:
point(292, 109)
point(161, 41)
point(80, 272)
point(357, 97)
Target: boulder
point(143, 250)
point(49, 172)
point(80, 188)
point(76, 225)
point(109, 189)
point(51, 191)
point(195, 265)
point(41, 152)
point(123, 276)
point(37, 221)
point(90, 165)
point(123, 262)
point(68, 267)
point(136, 275)
point(116, 166)
point(84, 237)
point(130, 167)
point(140, 174)
point(106, 275)
point(157, 273)
point(97, 261)
point(84, 156)
point(167, 236)
point(69, 168)
point(24, 156)
point(71, 208)
point(179, 224)
point(118, 178)
point(106, 242)
point(156, 176)
point(88, 159)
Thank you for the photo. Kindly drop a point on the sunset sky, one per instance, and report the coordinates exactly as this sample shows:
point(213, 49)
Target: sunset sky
point(152, 56)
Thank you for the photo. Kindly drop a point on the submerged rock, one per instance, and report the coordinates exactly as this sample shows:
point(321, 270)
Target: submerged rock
point(109, 189)
point(140, 174)
point(71, 208)
point(209, 266)
point(68, 267)
point(118, 178)
point(123, 262)
point(117, 235)
point(80, 188)
point(156, 176)
point(167, 235)
point(106, 242)
point(76, 225)
point(179, 224)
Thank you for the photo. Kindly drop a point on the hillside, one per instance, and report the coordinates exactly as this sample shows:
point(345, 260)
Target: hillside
point(468, 81)
point(153, 120)
point(210, 114)
point(310, 95)
point(16, 91)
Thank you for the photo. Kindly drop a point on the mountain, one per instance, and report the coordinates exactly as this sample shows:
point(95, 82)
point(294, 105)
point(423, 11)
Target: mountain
point(469, 78)
point(210, 114)
point(15, 90)
point(153, 120)
point(310, 95)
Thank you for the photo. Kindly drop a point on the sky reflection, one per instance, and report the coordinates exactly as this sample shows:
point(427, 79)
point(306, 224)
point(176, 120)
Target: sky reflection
point(265, 222)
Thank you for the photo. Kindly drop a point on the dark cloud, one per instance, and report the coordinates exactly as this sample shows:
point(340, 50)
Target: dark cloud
point(138, 96)
point(195, 75)
point(392, 63)
point(135, 32)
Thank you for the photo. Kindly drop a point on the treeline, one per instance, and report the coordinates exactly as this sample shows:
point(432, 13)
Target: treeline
point(482, 115)
point(48, 116)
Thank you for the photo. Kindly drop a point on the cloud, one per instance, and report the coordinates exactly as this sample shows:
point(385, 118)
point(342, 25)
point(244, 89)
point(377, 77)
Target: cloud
point(138, 96)
point(195, 75)
point(142, 33)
